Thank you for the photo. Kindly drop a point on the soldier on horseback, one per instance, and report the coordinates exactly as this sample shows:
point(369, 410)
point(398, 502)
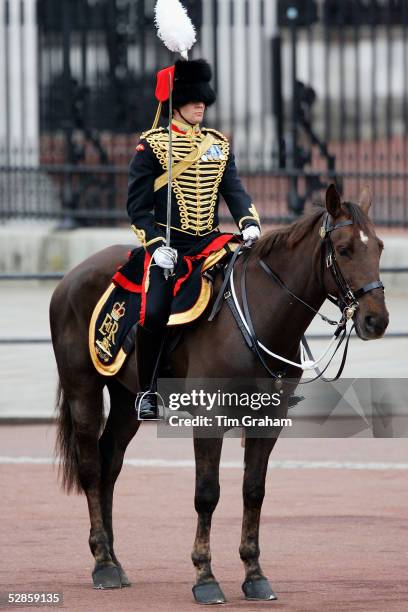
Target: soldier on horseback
point(203, 168)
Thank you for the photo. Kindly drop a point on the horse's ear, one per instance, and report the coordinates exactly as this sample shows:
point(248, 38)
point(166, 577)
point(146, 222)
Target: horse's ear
point(333, 201)
point(365, 199)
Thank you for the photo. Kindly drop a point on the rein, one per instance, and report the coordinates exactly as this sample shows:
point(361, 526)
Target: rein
point(347, 302)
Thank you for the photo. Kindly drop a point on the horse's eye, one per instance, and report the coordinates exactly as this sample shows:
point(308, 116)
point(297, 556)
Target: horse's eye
point(344, 252)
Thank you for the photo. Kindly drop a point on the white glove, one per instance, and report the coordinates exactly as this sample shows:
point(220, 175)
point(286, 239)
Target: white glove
point(251, 233)
point(165, 257)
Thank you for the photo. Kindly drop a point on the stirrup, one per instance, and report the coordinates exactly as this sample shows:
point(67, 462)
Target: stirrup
point(139, 398)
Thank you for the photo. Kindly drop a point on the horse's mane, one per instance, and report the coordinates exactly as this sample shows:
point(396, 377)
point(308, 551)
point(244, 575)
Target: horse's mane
point(292, 234)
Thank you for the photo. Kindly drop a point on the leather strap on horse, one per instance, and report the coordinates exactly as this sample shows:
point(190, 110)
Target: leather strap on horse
point(238, 320)
point(368, 287)
point(341, 329)
point(282, 285)
point(252, 340)
point(220, 296)
point(347, 298)
point(185, 163)
point(226, 295)
point(342, 364)
point(251, 325)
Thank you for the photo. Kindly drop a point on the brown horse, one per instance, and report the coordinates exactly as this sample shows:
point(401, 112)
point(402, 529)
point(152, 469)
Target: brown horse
point(91, 460)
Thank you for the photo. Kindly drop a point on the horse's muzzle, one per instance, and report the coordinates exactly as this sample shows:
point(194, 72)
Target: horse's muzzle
point(372, 325)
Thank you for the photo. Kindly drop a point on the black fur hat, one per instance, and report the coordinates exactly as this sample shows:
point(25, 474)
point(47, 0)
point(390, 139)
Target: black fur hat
point(191, 84)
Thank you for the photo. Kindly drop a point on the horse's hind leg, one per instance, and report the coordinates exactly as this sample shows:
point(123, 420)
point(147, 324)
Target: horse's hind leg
point(86, 409)
point(121, 426)
point(207, 493)
point(257, 451)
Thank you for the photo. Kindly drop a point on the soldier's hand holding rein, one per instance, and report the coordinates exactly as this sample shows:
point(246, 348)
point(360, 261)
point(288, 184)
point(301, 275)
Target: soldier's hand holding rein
point(165, 257)
point(250, 234)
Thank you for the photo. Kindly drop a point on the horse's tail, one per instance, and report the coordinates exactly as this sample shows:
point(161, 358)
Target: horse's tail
point(68, 471)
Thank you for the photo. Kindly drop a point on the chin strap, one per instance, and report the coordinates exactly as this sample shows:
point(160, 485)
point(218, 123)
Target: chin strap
point(184, 119)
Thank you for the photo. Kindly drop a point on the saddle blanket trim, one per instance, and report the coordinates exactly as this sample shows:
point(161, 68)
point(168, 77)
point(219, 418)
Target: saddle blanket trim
point(113, 368)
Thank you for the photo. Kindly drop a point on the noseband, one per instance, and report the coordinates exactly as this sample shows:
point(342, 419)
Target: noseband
point(347, 300)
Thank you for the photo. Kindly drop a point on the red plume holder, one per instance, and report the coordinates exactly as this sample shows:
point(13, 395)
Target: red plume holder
point(162, 87)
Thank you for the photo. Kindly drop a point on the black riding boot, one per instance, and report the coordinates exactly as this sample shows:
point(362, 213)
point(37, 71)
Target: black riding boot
point(149, 346)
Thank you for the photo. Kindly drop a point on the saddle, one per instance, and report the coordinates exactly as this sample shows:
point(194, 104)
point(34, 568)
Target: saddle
point(112, 328)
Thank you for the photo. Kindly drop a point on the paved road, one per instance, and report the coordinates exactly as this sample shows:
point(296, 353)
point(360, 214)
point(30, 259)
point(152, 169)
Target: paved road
point(28, 372)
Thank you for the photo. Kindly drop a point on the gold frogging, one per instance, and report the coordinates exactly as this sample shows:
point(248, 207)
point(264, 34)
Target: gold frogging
point(196, 188)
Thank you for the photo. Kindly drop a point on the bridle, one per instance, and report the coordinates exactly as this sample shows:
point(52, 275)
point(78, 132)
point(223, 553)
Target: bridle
point(347, 300)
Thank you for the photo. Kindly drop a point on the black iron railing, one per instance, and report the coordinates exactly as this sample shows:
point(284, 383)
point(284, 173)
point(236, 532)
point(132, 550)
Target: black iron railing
point(309, 91)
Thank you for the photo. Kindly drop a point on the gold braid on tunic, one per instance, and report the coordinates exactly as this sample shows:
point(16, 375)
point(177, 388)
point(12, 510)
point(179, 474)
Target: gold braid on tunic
point(196, 188)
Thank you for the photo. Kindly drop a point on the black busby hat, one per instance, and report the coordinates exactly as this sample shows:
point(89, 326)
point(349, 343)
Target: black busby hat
point(191, 84)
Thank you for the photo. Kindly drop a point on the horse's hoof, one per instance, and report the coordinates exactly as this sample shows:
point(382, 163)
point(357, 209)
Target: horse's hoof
point(107, 577)
point(258, 589)
point(123, 578)
point(208, 593)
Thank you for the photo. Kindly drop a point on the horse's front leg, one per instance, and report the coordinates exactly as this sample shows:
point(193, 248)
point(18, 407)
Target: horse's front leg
point(257, 451)
point(207, 493)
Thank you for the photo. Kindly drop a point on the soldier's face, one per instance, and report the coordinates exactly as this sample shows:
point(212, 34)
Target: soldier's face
point(192, 112)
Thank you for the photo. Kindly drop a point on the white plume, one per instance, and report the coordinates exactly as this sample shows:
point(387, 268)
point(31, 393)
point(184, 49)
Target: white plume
point(174, 26)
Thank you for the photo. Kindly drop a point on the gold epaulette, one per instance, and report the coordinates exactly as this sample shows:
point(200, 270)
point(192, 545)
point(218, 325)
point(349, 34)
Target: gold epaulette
point(215, 133)
point(152, 132)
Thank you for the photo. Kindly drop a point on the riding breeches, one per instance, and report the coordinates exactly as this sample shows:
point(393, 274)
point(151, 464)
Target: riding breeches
point(158, 299)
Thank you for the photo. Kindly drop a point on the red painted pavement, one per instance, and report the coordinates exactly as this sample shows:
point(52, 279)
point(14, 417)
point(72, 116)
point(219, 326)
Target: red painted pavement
point(330, 539)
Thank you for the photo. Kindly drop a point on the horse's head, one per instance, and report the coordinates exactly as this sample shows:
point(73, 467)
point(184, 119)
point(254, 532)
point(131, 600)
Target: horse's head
point(350, 237)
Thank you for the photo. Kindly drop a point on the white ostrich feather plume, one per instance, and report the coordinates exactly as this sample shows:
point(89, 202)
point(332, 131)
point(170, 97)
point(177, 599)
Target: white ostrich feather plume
point(174, 26)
